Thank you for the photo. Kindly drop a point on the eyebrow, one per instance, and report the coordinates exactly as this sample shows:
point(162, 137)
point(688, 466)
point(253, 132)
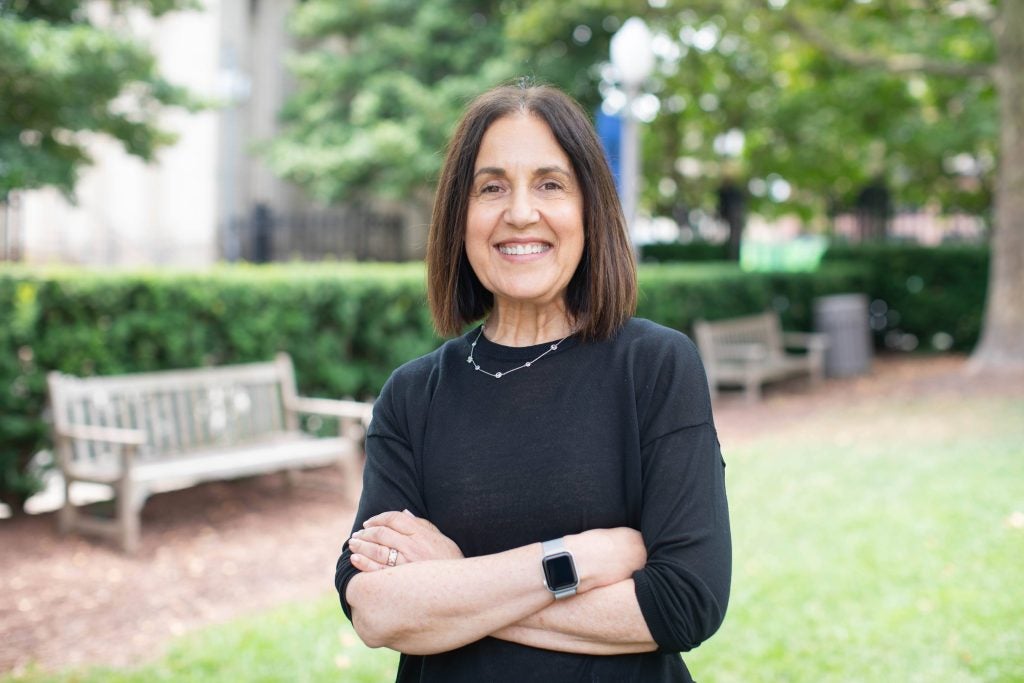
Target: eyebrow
point(543, 170)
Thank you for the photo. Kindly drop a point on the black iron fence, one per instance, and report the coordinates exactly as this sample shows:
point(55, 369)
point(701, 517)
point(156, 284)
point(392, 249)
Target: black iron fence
point(341, 233)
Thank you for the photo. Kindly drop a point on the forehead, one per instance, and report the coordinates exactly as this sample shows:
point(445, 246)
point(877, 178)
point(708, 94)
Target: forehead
point(520, 140)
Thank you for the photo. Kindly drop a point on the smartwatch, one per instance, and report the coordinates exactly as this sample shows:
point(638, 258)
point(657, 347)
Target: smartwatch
point(559, 569)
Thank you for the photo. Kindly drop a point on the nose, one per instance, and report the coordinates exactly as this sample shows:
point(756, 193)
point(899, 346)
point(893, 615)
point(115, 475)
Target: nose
point(521, 211)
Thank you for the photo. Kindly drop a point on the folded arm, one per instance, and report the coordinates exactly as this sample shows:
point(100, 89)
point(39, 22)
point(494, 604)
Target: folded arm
point(426, 605)
point(604, 621)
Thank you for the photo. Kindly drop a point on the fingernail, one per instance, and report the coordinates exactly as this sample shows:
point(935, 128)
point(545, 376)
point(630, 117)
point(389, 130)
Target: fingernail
point(408, 513)
point(356, 533)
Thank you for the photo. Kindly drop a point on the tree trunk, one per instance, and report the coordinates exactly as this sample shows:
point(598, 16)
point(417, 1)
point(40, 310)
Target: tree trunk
point(1002, 336)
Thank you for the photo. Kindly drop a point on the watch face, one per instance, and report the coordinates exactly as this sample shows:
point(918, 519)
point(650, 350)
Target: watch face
point(560, 572)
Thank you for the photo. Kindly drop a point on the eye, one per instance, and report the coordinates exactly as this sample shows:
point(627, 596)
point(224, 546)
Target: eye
point(551, 185)
point(490, 188)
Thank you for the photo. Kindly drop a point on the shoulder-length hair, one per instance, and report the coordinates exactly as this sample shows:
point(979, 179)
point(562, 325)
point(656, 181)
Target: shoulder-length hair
point(601, 295)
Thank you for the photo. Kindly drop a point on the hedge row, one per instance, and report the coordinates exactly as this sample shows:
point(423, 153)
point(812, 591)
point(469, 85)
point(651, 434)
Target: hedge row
point(346, 326)
point(929, 298)
point(922, 297)
point(676, 252)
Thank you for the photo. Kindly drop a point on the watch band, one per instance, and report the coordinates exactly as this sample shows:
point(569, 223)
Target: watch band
point(555, 545)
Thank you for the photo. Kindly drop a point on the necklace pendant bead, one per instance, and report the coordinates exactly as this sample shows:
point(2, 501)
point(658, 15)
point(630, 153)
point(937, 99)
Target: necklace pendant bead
point(469, 359)
point(528, 364)
point(554, 347)
point(497, 375)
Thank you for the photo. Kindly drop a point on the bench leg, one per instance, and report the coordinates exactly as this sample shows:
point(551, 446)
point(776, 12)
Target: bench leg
point(351, 477)
point(68, 515)
point(129, 512)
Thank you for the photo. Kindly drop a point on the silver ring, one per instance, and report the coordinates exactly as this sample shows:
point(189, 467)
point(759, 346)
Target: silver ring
point(392, 557)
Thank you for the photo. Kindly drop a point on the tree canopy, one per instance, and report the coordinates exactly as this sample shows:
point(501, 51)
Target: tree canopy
point(763, 93)
point(63, 76)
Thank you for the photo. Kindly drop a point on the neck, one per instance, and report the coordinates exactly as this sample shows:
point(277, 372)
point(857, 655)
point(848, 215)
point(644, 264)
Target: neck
point(517, 325)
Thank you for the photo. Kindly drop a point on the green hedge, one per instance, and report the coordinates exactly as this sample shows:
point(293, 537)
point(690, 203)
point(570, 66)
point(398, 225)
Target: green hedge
point(346, 328)
point(345, 325)
point(929, 298)
point(677, 252)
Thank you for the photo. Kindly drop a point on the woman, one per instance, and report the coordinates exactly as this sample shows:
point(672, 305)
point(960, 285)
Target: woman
point(544, 496)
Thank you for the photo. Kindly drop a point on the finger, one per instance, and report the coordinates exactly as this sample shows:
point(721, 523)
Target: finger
point(377, 553)
point(388, 537)
point(400, 522)
point(365, 564)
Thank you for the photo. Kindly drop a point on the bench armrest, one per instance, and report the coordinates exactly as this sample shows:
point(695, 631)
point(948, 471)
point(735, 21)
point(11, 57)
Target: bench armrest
point(114, 435)
point(333, 408)
point(812, 341)
point(742, 352)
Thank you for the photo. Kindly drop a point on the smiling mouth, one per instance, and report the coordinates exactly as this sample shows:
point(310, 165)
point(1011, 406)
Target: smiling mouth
point(523, 249)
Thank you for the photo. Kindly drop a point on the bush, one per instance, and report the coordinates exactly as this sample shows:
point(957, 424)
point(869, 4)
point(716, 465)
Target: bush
point(676, 295)
point(923, 297)
point(346, 326)
point(677, 252)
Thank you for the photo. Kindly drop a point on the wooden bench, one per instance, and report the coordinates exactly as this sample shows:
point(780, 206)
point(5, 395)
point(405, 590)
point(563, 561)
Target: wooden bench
point(144, 433)
point(752, 350)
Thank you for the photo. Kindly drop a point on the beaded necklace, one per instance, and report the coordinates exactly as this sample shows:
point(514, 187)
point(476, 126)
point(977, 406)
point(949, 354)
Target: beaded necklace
point(499, 375)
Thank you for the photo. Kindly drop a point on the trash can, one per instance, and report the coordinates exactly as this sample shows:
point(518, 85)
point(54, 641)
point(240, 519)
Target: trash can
point(844, 318)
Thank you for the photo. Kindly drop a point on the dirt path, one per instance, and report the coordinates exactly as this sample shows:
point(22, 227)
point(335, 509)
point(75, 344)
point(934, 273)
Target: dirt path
point(226, 549)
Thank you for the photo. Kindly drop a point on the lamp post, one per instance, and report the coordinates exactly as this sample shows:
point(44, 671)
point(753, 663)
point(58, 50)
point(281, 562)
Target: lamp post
point(633, 60)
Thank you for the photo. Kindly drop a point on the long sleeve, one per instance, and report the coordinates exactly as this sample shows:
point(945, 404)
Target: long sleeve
point(390, 480)
point(683, 590)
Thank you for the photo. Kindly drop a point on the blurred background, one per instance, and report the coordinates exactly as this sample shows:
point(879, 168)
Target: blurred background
point(187, 183)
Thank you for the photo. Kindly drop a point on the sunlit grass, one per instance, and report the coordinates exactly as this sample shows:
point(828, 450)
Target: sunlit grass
point(301, 643)
point(878, 542)
point(882, 543)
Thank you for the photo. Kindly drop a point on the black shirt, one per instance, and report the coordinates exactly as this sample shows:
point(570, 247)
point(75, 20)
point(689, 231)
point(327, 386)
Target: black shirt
point(593, 435)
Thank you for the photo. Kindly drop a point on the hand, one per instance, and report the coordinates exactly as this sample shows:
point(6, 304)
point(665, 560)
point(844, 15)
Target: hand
point(414, 538)
point(606, 556)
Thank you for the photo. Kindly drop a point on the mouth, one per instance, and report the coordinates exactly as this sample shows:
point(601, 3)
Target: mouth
point(524, 249)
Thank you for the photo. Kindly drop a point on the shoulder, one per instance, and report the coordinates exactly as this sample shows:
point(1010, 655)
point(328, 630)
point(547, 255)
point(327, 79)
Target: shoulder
point(670, 384)
point(413, 383)
point(657, 343)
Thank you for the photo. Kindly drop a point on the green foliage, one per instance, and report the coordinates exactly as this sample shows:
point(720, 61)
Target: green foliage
point(384, 83)
point(677, 295)
point(346, 326)
point(346, 329)
point(936, 295)
point(677, 252)
point(63, 76)
point(814, 120)
point(379, 90)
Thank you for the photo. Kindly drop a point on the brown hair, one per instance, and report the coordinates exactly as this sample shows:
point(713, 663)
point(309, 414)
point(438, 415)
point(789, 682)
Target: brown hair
point(601, 295)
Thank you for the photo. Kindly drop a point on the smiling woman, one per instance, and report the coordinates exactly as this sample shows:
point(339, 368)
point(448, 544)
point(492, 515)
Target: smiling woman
point(543, 496)
point(524, 229)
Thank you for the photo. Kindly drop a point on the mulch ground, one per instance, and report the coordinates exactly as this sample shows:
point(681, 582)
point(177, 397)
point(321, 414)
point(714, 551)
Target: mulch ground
point(223, 550)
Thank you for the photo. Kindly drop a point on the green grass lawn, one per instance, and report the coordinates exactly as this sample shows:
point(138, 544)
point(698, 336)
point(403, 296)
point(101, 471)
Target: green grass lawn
point(878, 542)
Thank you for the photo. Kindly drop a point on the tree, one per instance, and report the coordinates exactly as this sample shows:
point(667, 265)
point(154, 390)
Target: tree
point(832, 95)
point(62, 77)
point(999, 29)
point(826, 98)
point(381, 84)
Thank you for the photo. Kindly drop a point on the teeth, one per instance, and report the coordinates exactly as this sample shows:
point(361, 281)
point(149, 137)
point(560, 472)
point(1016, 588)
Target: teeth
point(522, 249)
